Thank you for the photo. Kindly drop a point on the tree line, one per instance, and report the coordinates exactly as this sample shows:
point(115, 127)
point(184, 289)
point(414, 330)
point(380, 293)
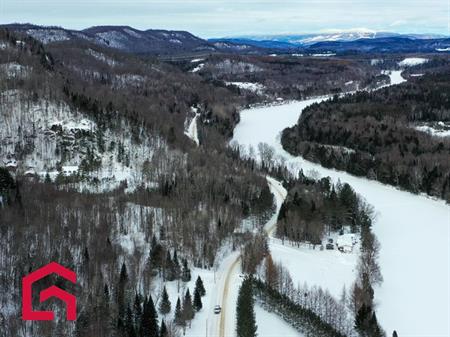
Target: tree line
point(373, 134)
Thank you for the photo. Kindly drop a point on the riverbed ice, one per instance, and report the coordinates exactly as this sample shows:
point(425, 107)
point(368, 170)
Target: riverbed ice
point(413, 231)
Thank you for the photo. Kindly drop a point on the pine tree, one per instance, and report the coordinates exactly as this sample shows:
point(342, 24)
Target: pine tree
point(197, 300)
point(137, 312)
point(186, 272)
point(394, 334)
point(199, 286)
point(164, 305)
point(179, 319)
point(121, 294)
point(188, 310)
point(163, 330)
point(169, 272)
point(104, 311)
point(129, 323)
point(149, 319)
point(245, 314)
point(176, 265)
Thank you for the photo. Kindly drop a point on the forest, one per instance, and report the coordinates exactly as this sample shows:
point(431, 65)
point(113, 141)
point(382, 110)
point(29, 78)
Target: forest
point(100, 175)
point(314, 209)
point(289, 77)
point(121, 239)
point(375, 134)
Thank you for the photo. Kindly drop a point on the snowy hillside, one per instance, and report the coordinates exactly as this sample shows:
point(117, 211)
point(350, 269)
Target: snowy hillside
point(43, 137)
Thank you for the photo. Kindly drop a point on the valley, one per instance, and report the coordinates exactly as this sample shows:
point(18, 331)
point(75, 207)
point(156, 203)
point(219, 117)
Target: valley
point(293, 185)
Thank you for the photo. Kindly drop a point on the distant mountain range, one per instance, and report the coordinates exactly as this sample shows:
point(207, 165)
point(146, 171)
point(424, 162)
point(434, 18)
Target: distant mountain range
point(166, 42)
point(335, 35)
point(128, 39)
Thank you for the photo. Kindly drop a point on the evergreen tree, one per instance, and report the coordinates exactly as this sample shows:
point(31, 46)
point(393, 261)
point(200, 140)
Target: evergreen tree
point(121, 294)
point(179, 319)
point(156, 254)
point(163, 330)
point(394, 334)
point(137, 313)
point(245, 314)
point(366, 323)
point(149, 322)
point(176, 265)
point(199, 286)
point(129, 323)
point(188, 309)
point(197, 300)
point(164, 305)
point(169, 270)
point(186, 272)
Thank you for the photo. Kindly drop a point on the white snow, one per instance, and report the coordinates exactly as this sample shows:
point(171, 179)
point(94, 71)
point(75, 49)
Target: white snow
point(102, 57)
point(413, 231)
point(412, 61)
point(198, 68)
point(192, 131)
point(14, 70)
point(253, 87)
point(197, 60)
point(176, 41)
point(434, 131)
point(50, 126)
point(323, 55)
point(443, 49)
point(48, 35)
point(271, 325)
point(395, 76)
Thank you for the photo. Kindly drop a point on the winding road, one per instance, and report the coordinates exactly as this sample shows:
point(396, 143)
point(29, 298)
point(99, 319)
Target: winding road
point(414, 296)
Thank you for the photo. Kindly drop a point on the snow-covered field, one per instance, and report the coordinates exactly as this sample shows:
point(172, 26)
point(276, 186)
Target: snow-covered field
point(413, 231)
point(412, 61)
point(271, 325)
point(253, 87)
point(313, 266)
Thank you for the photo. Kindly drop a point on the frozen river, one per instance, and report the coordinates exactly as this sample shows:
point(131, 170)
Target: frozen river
point(413, 230)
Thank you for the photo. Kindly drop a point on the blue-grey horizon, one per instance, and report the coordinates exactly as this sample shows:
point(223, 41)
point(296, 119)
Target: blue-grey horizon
point(219, 18)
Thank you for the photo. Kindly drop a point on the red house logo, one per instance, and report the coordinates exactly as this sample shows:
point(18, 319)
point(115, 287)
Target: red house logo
point(70, 300)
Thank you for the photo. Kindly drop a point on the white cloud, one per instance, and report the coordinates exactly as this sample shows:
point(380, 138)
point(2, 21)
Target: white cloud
point(234, 17)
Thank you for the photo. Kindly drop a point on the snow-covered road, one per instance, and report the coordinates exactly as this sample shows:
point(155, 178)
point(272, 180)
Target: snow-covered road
point(413, 230)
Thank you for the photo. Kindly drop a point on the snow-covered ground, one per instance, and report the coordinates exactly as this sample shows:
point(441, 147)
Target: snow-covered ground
point(191, 129)
point(395, 76)
point(271, 325)
point(253, 87)
point(313, 266)
point(412, 61)
point(50, 129)
point(198, 68)
point(413, 231)
point(443, 130)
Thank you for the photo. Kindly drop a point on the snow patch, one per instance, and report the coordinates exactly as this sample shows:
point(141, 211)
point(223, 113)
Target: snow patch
point(198, 68)
point(412, 61)
point(253, 87)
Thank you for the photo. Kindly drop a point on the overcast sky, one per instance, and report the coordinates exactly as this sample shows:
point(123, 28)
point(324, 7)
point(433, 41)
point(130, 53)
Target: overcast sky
point(218, 18)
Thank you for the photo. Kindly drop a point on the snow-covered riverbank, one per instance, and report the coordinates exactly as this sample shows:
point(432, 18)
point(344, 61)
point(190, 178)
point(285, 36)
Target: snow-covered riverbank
point(413, 231)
